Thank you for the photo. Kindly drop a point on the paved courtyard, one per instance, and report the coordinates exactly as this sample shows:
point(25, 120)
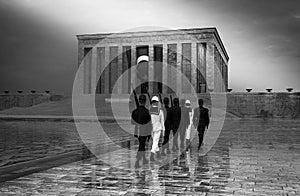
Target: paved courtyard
point(250, 157)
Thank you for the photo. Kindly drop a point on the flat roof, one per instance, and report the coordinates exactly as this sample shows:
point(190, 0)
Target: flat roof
point(158, 32)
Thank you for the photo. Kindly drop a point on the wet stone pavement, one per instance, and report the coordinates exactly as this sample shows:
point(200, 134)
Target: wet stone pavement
point(250, 157)
point(23, 141)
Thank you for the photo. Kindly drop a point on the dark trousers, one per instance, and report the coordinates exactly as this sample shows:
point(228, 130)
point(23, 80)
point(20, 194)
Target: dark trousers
point(142, 143)
point(201, 130)
point(166, 139)
point(142, 148)
point(175, 137)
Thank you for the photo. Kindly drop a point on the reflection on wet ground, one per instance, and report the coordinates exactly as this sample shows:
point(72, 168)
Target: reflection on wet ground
point(22, 141)
point(251, 157)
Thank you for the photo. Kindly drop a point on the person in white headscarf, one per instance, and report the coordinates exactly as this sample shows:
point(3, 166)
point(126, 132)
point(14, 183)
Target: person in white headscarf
point(190, 123)
point(158, 125)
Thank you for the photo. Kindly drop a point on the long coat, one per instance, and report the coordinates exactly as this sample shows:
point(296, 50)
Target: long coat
point(176, 117)
point(185, 118)
point(141, 118)
point(201, 117)
point(168, 118)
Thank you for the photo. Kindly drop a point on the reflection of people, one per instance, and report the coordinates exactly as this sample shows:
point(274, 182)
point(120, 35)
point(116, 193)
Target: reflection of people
point(202, 167)
point(142, 120)
point(158, 125)
point(201, 120)
point(140, 176)
point(155, 180)
point(176, 116)
point(189, 124)
point(191, 165)
point(168, 125)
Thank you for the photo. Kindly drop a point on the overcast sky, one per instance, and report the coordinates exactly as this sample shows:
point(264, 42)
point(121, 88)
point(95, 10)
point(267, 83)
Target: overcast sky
point(39, 48)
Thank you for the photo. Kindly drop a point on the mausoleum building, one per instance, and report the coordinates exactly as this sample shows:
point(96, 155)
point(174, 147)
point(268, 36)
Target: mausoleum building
point(198, 53)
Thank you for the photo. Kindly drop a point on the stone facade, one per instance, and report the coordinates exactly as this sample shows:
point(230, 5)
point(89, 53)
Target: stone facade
point(198, 53)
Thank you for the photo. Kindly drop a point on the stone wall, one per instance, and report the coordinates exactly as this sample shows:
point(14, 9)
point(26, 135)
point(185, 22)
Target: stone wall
point(241, 104)
point(264, 104)
point(258, 104)
point(261, 104)
point(25, 100)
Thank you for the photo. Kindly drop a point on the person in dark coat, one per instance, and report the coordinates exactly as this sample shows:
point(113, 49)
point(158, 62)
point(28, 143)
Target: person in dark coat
point(176, 117)
point(168, 125)
point(141, 118)
point(201, 120)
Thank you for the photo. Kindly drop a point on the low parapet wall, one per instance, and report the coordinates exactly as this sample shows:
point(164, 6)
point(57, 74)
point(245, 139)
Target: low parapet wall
point(264, 104)
point(241, 104)
point(281, 104)
point(25, 100)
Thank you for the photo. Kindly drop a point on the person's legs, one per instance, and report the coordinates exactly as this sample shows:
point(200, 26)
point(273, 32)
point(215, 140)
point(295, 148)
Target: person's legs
point(188, 132)
point(142, 143)
point(175, 139)
point(139, 156)
point(166, 137)
point(155, 148)
point(160, 142)
point(156, 141)
point(200, 134)
point(141, 150)
point(188, 137)
point(182, 137)
point(165, 144)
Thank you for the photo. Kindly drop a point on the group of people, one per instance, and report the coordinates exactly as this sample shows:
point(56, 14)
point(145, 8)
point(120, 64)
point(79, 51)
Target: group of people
point(161, 120)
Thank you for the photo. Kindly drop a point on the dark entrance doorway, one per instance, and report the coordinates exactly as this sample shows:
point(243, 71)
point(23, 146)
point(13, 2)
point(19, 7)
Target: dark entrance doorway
point(158, 65)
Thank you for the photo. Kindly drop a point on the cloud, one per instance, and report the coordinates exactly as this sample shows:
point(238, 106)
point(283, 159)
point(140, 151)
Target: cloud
point(261, 37)
point(34, 55)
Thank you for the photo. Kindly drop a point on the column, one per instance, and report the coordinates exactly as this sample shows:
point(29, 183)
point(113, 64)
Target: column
point(210, 67)
point(106, 71)
point(186, 67)
point(133, 63)
point(87, 70)
point(165, 69)
point(179, 69)
point(226, 77)
point(119, 69)
point(223, 75)
point(172, 56)
point(113, 67)
point(217, 71)
point(151, 69)
point(101, 68)
point(201, 64)
point(126, 63)
point(80, 63)
point(194, 65)
point(80, 53)
point(93, 70)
